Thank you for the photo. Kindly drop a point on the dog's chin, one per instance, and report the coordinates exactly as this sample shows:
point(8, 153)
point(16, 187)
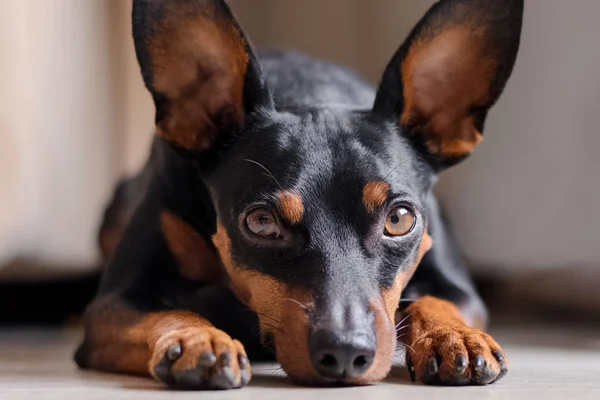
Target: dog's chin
point(311, 379)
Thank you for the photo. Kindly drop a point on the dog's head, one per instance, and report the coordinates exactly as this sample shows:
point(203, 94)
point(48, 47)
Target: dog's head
point(322, 212)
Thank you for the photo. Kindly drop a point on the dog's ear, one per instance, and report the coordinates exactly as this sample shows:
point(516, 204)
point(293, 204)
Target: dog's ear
point(450, 71)
point(199, 67)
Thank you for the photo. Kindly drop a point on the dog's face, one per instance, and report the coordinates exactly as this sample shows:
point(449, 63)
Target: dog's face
point(322, 221)
point(322, 213)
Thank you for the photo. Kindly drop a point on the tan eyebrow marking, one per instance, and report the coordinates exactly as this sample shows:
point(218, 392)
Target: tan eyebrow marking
point(290, 206)
point(374, 194)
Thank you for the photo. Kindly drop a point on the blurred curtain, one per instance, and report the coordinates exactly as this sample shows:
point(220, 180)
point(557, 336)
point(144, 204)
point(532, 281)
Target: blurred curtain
point(75, 116)
point(71, 121)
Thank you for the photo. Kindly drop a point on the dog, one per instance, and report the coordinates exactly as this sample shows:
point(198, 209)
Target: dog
point(287, 207)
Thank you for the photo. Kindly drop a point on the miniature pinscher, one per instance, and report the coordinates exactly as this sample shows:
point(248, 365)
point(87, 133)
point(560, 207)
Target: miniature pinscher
point(287, 207)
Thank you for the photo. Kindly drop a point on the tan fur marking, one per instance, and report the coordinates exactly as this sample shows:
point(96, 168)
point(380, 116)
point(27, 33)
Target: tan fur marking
point(386, 344)
point(375, 194)
point(385, 315)
point(122, 340)
point(109, 240)
point(277, 308)
point(291, 337)
point(391, 297)
point(291, 207)
point(155, 325)
point(444, 76)
point(195, 259)
point(198, 63)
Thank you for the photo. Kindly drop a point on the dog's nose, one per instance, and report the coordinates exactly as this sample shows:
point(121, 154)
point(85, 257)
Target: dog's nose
point(341, 355)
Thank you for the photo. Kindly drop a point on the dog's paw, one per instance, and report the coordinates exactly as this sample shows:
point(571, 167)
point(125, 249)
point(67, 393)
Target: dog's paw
point(457, 355)
point(200, 359)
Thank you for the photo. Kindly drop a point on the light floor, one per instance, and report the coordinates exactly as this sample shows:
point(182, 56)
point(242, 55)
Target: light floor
point(546, 363)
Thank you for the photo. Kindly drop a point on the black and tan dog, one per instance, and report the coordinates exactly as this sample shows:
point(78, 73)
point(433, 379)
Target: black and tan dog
point(287, 206)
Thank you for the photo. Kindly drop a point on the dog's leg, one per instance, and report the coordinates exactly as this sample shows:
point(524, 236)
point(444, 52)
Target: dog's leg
point(445, 341)
point(179, 348)
point(141, 320)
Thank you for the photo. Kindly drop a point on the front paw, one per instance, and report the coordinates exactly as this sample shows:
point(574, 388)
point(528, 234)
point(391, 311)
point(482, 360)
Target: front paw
point(455, 355)
point(200, 359)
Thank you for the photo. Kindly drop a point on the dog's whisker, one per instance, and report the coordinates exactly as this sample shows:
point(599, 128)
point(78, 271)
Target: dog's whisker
point(400, 350)
point(404, 345)
point(272, 327)
point(394, 169)
point(402, 327)
point(272, 371)
point(265, 168)
point(404, 319)
point(407, 300)
point(298, 303)
point(275, 320)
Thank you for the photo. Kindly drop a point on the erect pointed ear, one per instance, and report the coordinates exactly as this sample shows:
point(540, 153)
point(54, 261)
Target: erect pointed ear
point(450, 71)
point(199, 67)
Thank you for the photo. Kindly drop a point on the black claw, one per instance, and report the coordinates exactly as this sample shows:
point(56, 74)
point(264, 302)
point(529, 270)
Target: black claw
point(207, 359)
point(498, 356)
point(432, 366)
point(242, 361)
point(245, 377)
point(225, 379)
point(431, 377)
point(162, 370)
point(502, 363)
point(411, 368)
point(502, 374)
point(460, 363)
point(174, 352)
point(225, 359)
point(479, 363)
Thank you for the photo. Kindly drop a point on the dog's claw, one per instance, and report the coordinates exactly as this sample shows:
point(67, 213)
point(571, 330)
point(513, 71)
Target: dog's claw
point(498, 356)
point(174, 352)
point(502, 362)
point(432, 366)
point(207, 359)
point(411, 368)
point(225, 379)
point(245, 377)
point(225, 359)
point(242, 361)
point(460, 364)
point(478, 363)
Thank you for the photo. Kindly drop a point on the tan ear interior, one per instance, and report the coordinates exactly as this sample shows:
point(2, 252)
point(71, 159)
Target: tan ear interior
point(445, 76)
point(198, 64)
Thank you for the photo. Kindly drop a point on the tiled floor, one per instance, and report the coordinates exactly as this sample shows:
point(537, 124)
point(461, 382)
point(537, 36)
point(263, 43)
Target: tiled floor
point(545, 364)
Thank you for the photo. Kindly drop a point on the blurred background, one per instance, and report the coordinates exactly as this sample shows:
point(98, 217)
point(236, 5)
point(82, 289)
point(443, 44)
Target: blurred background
point(75, 117)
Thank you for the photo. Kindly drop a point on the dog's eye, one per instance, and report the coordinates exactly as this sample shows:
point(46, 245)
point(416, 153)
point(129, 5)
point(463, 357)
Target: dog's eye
point(400, 222)
point(263, 223)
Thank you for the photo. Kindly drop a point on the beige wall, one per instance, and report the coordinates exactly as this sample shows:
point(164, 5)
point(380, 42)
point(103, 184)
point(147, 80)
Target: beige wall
point(55, 103)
